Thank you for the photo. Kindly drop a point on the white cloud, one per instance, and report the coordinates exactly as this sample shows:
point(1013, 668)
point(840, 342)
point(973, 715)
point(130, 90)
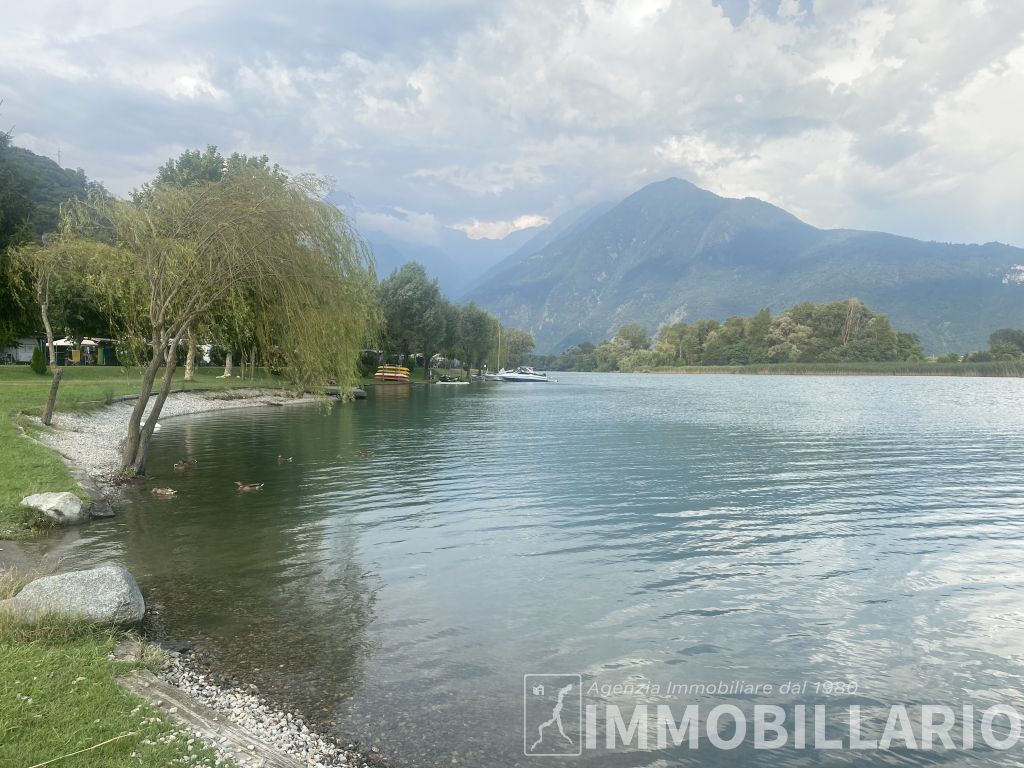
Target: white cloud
point(499, 230)
point(896, 114)
point(402, 224)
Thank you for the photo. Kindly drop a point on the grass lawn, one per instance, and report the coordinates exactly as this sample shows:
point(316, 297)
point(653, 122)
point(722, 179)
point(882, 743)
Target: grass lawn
point(58, 695)
point(26, 467)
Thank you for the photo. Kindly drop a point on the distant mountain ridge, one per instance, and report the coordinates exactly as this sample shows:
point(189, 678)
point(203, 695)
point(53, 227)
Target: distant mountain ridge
point(674, 252)
point(456, 260)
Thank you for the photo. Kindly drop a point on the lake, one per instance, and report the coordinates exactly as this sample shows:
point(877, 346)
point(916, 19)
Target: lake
point(845, 540)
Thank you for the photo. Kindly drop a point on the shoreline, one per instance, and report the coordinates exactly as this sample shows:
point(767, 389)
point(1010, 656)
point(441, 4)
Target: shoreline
point(965, 370)
point(279, 727)
point(88, 443)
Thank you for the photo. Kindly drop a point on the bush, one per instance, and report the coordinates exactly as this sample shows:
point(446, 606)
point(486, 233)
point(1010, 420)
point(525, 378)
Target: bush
point(38, 362)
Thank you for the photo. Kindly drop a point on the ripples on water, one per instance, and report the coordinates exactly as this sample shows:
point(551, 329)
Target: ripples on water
point(683, 529)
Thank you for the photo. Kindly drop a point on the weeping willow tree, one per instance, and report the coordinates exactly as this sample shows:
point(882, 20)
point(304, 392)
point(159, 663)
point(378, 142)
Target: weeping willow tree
point(43, 266)
point(178, 258)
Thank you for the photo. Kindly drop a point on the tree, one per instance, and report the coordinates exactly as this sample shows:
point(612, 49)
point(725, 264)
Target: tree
point(1006, 343)
point(174, 254)
point(38, 364)
point(16, 208)
point(634, 335)
point(232, 325)
point(43, 265)
point(516, 345)
point(191, 167)
point(478, 331)
point(32, 190)
point(413, 312)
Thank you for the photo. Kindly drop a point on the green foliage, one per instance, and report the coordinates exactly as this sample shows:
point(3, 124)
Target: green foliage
point(634, 335)
point(1006, 344)
point(194, 166)
point(32, 190)
point(256, 252)
point(477, 335)
point(843, 331)
point(515, 346)
point(38, 363)
point(415, 319)
point(418, 319)
point(16, 209)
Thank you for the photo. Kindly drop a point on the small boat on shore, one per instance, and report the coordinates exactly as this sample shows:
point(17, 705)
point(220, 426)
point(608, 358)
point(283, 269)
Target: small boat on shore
point(522, 373)
point(449, 380)
point(395, 373)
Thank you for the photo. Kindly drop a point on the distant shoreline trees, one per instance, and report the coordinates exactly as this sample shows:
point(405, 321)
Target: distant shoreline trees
point(839, 332)
point(417, 320)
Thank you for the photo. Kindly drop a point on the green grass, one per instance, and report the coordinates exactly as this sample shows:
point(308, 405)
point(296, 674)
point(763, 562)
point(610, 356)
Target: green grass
point(58, 695)
point(1010, 369)
point(26, 467)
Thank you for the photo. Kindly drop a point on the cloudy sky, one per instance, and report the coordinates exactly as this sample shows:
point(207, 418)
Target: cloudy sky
point(901, 115)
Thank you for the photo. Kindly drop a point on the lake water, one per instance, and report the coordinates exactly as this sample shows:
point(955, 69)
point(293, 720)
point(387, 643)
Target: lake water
point(859, 540)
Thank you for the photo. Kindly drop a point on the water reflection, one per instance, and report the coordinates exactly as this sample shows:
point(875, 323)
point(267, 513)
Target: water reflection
point(429, 546)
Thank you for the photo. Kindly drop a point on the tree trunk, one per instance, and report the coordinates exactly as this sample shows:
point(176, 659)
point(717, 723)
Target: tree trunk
point(139, 435)
point(51, 401)
point(131, 441)
point(229, 363)
point(243, 363)
point(146, 433)
point(50, 347)
point(426, 364)
point(43, 295)
point(252, 365)
point(190, 359)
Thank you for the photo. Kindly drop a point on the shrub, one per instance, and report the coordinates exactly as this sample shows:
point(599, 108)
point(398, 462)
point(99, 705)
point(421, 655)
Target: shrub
point(38, 363)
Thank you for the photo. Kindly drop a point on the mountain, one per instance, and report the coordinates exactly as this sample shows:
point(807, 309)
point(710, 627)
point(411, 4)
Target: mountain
point(456, 260)
point(674, 252)
point(48, 185)
point(564, 225)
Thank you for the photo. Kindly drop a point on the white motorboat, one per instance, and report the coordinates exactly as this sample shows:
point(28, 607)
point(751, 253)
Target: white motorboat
point(522, 373)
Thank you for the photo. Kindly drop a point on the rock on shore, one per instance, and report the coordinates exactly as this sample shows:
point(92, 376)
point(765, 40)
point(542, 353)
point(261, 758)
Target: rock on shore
point(107, 595)
point(62, 508)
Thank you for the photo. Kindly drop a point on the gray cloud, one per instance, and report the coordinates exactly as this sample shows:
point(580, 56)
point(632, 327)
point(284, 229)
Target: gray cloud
point(895, 114)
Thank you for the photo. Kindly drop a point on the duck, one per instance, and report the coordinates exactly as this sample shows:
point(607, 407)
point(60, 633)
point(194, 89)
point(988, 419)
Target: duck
point(283, 459)
point(366, 454)
point(182, 465)
point(247, 487)
point(165, 492)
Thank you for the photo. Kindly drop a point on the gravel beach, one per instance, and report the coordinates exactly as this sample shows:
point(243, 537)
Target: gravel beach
point(285, 731)
point(90, 440)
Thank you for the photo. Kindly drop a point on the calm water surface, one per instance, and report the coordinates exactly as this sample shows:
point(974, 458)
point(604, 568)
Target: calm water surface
point(667, 529)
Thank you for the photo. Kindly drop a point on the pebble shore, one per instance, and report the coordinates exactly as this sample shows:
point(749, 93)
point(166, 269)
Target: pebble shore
point(285, 731)
point(90, 440)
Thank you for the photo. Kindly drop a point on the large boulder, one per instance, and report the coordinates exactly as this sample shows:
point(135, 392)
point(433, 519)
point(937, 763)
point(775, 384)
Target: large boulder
point(107, 595)
point(63, 508)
